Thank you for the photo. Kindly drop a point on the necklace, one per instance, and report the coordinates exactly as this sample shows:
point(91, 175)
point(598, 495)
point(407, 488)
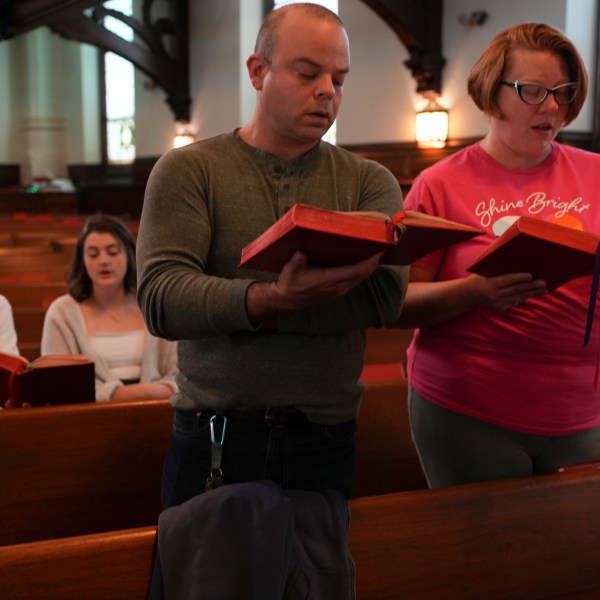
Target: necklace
point(116, 314)
point(115, 317)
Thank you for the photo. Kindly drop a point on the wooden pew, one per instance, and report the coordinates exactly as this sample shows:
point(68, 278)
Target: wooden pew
point(22, 219)
point(32, 293)
point(386, 458)
point(77, 469)
point(34, 259)
point(20, 225)
point(44, 238)
point(6, 239)
point(387, 345)
point(29, 303)
point(115, 565)
point(41, 254)
point(60, 224)
point(29, 323)
point(519, 539)
point(35, 274)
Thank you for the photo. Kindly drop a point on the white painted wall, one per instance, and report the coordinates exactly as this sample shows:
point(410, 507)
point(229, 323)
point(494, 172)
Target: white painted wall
point(215, 66)
point(580, 24)
point(379, 84)
point(462, 46)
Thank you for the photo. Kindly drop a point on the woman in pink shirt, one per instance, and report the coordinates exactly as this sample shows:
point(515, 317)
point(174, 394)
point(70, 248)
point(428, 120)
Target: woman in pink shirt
point(500, 382)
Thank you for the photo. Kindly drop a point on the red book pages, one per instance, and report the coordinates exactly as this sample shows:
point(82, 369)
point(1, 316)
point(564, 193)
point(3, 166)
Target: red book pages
point(548, 251)
point(332, 238)
point(47, 380)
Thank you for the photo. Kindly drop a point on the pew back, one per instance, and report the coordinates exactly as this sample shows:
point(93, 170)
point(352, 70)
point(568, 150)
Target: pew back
point(32, 293)
point(34, 259)
point(387, 345)
point(386, 458)
point(116, 565)
point(521, 539)
point(29, 325)
point(76, 469)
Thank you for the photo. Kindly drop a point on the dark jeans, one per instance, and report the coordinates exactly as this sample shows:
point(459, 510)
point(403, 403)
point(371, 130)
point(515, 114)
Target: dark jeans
point(301, 456)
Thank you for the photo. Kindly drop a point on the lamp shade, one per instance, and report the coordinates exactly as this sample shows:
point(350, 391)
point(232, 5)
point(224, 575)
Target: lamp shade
point(183, 139)
point(432, 126)
point(184, 134)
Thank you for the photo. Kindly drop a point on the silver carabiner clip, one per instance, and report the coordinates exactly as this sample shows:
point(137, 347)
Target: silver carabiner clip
point(212, 429)
point(215, 479)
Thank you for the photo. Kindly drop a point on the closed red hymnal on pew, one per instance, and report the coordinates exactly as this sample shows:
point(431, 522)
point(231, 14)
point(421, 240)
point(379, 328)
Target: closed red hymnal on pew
point(333, 238)
point(548, 251)
point(47, 380)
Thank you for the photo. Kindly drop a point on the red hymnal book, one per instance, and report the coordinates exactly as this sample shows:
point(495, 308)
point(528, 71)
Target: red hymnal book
point(334, 238)
point(47, 380)
point(548, 251)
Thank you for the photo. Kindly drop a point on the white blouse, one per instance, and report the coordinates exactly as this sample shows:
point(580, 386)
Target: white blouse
point(123, 351)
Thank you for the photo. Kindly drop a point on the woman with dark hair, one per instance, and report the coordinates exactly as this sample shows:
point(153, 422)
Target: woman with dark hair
point(100, 318)
point(501, 384)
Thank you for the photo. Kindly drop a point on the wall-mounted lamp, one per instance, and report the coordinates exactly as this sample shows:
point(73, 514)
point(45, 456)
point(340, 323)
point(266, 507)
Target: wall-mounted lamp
point(474, 19)
point(432, 126)
point(184, 134)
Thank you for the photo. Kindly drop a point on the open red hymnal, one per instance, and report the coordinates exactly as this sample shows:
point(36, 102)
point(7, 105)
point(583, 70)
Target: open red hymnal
point(548, 251)
point(47, 380)
point(334, 238)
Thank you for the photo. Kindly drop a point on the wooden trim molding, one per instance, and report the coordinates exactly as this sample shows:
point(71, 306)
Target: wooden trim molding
point(10, 175)
point(406, 159)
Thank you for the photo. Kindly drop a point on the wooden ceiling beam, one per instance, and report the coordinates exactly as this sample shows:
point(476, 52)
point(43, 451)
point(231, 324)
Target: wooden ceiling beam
point(159, 49)
point(418, 24)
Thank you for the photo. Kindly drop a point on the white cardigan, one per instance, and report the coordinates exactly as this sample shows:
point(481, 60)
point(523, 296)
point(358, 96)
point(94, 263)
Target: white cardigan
point(65, 333)
point(8, 335)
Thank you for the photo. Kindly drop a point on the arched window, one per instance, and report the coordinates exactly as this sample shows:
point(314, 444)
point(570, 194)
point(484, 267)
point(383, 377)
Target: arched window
point(119, 87)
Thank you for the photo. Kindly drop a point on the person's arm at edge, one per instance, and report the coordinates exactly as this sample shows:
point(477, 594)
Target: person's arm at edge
point(8, 334)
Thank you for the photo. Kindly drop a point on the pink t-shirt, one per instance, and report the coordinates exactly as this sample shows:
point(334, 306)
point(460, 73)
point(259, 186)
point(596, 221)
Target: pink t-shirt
point(525, 369)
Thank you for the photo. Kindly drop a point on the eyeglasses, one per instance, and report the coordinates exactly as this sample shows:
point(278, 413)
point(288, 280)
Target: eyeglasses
point(535, 93)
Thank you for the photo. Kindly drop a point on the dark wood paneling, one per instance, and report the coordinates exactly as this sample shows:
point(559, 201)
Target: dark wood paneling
point(406, 159)
point(10, 175)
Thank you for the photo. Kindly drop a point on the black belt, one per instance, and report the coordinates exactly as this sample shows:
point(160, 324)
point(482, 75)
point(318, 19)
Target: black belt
point(279, 416)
